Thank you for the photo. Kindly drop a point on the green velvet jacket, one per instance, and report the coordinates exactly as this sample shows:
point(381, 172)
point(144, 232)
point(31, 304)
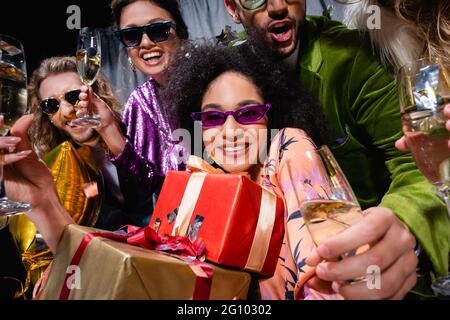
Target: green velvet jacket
point(360, 99)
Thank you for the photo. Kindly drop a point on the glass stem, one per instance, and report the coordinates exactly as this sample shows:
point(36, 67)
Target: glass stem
point(2, 184)
point(445, 195)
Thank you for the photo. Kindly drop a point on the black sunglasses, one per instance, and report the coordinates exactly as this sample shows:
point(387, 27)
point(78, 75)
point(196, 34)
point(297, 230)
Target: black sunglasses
point(157, 32)
point(51, 105)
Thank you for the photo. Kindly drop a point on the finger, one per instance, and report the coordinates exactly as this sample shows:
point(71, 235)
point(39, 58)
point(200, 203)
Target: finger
point(20, 129)
point(81, 112)
point(14, 157)
point(83, 96)
point(401, 144)
point(82, 104)
point(383, 254)
point(407, 286)
point(320, 285)
point(370, 229)
point(8, 142)
point(390, 281)
point(314, 258)
point(84, 89)
point(447, 111)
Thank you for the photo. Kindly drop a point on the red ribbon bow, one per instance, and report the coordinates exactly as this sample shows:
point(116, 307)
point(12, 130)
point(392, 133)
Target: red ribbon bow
point(178, 246)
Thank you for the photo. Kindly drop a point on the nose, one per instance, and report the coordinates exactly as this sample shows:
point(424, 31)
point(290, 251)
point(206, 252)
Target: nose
point(277, 9)
point(66, 110)
point(232, 130)
point(146, 41)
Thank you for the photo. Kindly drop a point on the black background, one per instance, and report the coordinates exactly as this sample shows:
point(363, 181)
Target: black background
point(41, 25)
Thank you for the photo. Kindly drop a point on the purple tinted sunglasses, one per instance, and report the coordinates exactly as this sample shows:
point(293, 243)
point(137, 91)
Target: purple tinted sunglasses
point(245, 115)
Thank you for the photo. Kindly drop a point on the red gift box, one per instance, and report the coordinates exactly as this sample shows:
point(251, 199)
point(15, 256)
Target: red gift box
point(242, 225)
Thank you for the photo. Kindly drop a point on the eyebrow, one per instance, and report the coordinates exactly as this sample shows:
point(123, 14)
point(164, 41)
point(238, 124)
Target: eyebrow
point(240, 104)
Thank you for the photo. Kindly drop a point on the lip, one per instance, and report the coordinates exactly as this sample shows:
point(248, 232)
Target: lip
point(154, 61)
point(75, 129)
point(281, 37)
point(234, 150)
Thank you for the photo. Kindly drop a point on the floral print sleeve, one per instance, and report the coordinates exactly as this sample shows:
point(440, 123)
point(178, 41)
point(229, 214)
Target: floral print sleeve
point(292, 177)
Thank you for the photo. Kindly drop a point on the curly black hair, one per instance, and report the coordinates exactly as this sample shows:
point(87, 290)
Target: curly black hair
point(195, 67)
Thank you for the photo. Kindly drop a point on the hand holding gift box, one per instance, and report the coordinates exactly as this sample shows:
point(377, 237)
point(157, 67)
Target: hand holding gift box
point(240, 221)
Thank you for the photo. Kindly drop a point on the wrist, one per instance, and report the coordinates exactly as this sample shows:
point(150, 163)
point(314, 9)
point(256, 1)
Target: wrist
point(113, 138)
point(50, 219)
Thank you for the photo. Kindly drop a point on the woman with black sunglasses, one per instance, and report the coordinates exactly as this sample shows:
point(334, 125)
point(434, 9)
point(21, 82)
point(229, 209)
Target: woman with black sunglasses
point(151, 31)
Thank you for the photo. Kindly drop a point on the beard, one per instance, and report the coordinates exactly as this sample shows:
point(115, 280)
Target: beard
point(259, 38)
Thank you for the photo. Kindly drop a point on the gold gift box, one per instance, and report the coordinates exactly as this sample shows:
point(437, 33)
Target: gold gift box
point(111, 270)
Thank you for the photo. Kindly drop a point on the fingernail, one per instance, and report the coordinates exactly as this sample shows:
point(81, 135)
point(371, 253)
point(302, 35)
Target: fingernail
point(323, 251)
point(320, 269)
point(335, 286)
point(12, 139)
point(24, 153)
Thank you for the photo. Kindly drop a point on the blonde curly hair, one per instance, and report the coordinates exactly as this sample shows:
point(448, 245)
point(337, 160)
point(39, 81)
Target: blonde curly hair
point(43, 134)
point(431, 19)
point(410, 29)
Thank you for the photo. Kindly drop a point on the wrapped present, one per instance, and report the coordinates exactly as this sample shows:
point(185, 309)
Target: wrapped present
point(240, 221)
point(89, 266)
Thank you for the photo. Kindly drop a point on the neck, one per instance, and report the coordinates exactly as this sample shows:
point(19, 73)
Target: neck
point(292, 60)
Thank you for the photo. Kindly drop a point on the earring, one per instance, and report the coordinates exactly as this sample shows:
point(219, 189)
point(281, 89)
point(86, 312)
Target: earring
point(132, 66)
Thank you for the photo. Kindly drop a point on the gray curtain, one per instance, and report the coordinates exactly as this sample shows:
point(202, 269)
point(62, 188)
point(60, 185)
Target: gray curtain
point(205, 20)
point(116, 68)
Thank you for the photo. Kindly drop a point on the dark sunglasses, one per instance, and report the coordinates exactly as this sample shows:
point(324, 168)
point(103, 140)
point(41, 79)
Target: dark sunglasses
point(51, 105)
point(157, 32)
point(256, 4)
point(245, 115)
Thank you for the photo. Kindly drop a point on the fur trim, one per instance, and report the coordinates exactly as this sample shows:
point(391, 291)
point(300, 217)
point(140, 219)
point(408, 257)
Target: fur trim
point(395, 41)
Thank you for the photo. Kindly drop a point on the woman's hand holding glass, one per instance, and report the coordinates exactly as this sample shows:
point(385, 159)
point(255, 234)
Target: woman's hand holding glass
point(391, 252)
point(109, 128)
point(352, 247)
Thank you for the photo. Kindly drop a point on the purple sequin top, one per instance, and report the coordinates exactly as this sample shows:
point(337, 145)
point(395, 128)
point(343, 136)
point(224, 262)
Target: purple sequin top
point(149, 152)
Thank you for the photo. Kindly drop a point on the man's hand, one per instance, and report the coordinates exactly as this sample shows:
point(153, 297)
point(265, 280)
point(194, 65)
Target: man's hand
point(391, 249)
point(88, 97)
point(109, 129)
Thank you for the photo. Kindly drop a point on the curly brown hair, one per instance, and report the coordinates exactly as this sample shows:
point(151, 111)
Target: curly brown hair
point(44, 135)
point(432, 20)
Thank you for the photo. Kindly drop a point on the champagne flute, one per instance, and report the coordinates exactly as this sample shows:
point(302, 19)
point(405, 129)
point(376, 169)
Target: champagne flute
point(335, 207)
point(13, 104)
point(424, 92)
point(88, 65)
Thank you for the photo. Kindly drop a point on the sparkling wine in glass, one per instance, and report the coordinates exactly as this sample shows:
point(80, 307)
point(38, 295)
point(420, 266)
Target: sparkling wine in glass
point(335, 208)
point(88, 65)
point(13, 104)
point(424, 92)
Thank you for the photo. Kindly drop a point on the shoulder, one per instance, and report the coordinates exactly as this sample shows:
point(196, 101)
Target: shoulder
point(143, 97)
point(338, 44)
point(288, 142)
point(145, 91)
point(334, 34)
